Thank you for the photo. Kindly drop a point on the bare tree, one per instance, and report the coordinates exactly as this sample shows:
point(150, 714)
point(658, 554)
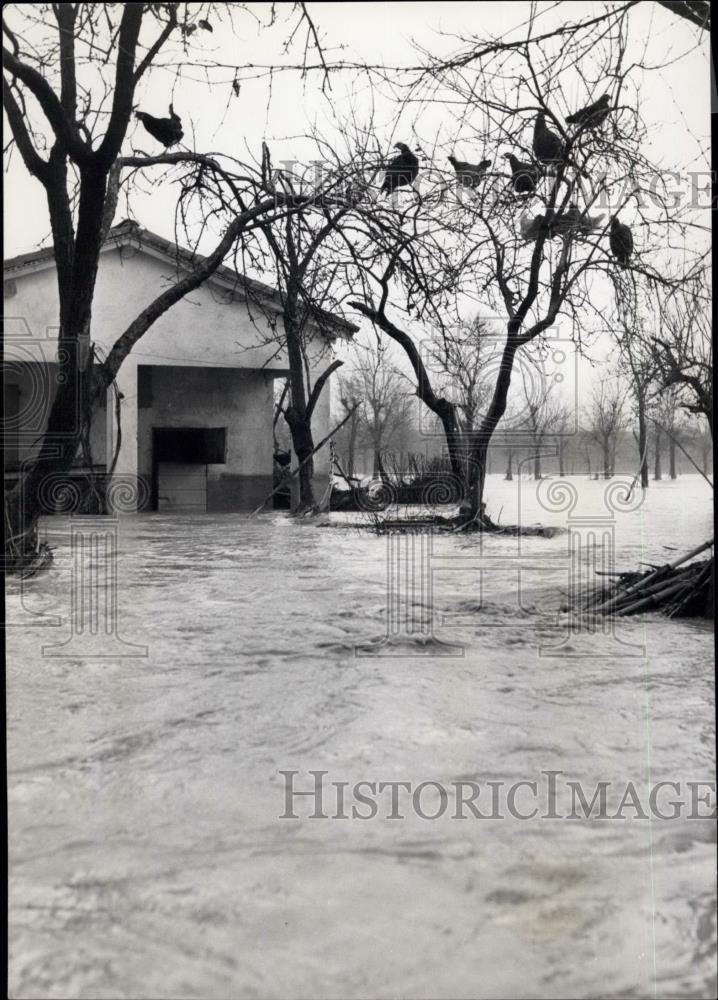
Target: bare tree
point(607, 419)
point(69, 96)
point(683, 348)
point(560, 421)
point(665, 416)
point(536, 417)
point(350, 400)
point(637, 361)
point(458, 358)
point(385, 405)
point(305, 288)
point(533, 255)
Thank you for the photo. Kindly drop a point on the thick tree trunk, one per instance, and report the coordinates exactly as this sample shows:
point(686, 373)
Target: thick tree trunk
point(672, 457)
point(537, 464)
point(76, 393)
point(481, 439)
point(60, 442)
point(303, 445)
point(606, 458)
point(476, 506)
point(299, 421)
point(509, 466)
point(657, 474)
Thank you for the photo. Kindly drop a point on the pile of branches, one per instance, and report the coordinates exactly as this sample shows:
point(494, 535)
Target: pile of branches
point(680, 589)
point(419, 481)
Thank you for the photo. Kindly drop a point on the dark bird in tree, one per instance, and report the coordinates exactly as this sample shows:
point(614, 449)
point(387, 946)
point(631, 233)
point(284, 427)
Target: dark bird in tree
point(402, 170)
point(621, 241)
point(593, 115)
point(548, 147)
point(524, 176)
point(168, 131)
point(469, 174)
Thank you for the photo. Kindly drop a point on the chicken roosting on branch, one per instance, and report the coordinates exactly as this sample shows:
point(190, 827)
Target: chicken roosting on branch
point(548, 147)
point(621, 240)
point(168, 131)
point(524, 176)
point(401, 171)
point(593, 115)
point(469, 174)
point(572, 222)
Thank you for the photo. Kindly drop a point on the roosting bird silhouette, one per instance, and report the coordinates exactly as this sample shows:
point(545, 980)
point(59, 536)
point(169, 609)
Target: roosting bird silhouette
point(469, 174)
point(548, 147)
point(168, 131)
point(524, 176)
point(573, 222)
point(621, 241)
point(593, 115)
point(400, 171)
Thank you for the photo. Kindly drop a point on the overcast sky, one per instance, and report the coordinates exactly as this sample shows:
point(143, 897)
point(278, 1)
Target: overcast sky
point(675, 101)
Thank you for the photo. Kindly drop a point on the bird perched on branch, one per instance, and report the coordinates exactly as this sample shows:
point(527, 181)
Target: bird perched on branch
point(402, 170)
point(168, 131)
point(621, 240)
point(469, 174)
point(548, 147)
point(593, 115)
point(524, 176)
point(572, 222)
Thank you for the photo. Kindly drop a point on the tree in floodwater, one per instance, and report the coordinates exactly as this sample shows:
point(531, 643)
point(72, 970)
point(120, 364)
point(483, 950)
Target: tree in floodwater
point(607, 418)
point(665, 416)
point(73, 75)
point(544, 417)
point(385, 410)
point(532, 250)
point(638, 365)
point(683, 347)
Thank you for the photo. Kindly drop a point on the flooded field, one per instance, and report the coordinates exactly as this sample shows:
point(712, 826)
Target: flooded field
point(148, 857)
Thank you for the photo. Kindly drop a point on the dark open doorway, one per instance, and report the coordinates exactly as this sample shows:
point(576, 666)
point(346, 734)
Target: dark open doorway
point(178, 455)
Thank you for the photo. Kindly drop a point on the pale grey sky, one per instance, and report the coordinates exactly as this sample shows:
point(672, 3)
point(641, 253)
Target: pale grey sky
point(675, 100)
point(676, 103)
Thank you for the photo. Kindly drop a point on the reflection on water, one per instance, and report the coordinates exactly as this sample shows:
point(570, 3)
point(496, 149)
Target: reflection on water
point(148, 859)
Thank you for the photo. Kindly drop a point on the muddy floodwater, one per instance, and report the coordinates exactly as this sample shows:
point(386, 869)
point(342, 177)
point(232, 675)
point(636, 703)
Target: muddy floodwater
point(147, 853)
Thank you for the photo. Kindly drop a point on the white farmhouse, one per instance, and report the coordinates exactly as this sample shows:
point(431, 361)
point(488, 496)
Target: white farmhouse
point(196, 394)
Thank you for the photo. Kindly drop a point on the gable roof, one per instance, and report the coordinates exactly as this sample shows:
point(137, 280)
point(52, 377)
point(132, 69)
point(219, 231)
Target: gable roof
point(128, 233)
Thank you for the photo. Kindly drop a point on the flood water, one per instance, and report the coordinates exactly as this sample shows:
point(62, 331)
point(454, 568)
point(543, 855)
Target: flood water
point(147, 853)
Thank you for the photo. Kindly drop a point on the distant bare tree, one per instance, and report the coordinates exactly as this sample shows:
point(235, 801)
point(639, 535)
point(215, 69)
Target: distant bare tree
point(535, 418)
point(559, 422)
point(458, 358)
point(384, 402)
point(665, 416)
point(607, 418)
point(638, 363)
point(350, 399)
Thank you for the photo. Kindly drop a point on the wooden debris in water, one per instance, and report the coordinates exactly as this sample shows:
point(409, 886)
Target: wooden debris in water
point(678, 589)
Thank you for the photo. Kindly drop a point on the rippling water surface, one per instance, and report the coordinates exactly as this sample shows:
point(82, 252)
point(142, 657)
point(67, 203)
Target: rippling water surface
point(147, 854)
